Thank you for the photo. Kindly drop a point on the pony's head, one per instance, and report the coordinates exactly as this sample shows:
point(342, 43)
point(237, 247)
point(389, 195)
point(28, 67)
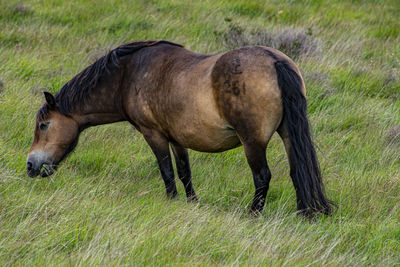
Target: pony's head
point(56, 135)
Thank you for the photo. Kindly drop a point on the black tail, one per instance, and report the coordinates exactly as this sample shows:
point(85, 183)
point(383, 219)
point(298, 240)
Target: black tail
point(306, 174)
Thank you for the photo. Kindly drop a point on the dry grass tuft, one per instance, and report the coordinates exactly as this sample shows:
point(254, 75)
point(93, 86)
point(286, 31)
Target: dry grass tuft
point(1, 86)
point(393, 135)
point(391, 83)
point(38, 89)
point(293, 42)
point(321, 81)
point(20, 8)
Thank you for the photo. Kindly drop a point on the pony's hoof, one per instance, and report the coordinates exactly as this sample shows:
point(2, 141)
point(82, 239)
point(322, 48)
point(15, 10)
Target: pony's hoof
point(172, 195)
point(193, 199)
point(254, 213)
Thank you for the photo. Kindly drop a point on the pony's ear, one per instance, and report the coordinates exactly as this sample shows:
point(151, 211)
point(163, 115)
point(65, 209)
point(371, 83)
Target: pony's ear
point(51, 101)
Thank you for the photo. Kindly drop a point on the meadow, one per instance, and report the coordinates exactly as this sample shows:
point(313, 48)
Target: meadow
point(106, 204)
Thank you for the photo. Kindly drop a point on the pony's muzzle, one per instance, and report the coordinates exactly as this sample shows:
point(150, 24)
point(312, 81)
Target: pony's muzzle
point(35, 164)
point(32, 169)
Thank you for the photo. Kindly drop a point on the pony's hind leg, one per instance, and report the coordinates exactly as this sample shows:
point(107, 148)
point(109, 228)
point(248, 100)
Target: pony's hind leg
point(183, 168)
point(160, 147)
point(257, 161)
point(255, 147)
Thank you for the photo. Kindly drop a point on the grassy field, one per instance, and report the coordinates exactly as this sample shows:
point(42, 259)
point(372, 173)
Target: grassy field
point(106, 204)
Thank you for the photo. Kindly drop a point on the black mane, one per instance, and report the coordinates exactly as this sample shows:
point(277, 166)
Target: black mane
point(78, 89)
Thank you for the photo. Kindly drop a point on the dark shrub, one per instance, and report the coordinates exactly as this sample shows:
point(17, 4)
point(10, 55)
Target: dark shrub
point(293, 42)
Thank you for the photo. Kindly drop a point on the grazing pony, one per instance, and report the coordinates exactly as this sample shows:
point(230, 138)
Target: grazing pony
point(180, 99)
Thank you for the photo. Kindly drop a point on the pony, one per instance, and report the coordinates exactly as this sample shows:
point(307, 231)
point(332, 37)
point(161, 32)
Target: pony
point(184, 100)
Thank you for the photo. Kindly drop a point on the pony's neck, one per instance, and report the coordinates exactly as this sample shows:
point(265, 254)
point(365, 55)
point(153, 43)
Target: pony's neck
point(103, 106)
point(93, 119)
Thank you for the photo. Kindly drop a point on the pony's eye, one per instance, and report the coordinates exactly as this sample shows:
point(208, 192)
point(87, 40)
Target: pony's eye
point(43, 126)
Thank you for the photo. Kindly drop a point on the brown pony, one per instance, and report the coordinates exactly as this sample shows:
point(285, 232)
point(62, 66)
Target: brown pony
point(182, 99)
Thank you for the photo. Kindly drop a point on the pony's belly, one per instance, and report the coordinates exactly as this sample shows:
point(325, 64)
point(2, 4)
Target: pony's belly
point(209, 139)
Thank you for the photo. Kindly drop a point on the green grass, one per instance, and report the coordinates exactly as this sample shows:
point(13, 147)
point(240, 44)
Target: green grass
point(106, 204)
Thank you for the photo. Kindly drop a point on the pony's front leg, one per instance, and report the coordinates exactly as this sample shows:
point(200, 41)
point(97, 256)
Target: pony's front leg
point(160, 147)
point(183, 168)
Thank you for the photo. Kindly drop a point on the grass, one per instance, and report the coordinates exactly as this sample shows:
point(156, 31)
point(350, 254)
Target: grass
point(106, 204)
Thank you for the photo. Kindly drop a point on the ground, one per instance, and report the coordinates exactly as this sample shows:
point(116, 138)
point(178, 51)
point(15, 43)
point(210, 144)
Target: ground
point(106, 204)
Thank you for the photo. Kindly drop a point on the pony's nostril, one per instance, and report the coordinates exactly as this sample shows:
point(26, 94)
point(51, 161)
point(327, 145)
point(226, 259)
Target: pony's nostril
point(29, 166)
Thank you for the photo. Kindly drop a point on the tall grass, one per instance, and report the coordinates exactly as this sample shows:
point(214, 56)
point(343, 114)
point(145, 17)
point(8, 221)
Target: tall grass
point(106, 203)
